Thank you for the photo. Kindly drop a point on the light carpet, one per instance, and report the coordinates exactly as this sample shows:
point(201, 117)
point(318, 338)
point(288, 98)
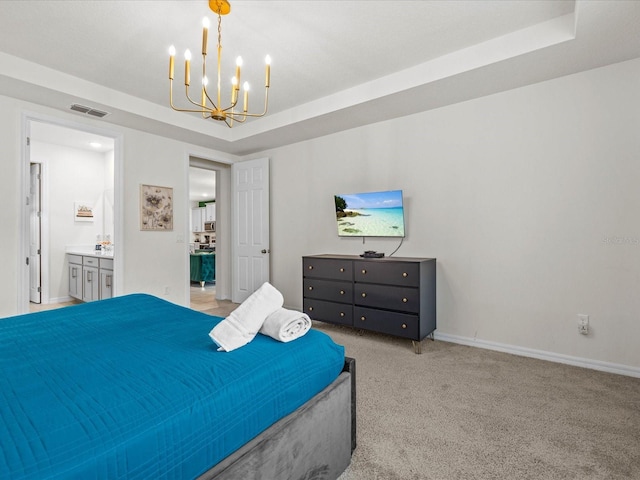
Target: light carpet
point(458, 412)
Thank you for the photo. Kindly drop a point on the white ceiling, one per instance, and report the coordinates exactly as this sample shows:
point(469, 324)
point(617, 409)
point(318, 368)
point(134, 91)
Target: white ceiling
point(336, 64)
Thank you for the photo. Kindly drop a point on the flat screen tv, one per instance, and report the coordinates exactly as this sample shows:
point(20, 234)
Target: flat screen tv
point(371, 214)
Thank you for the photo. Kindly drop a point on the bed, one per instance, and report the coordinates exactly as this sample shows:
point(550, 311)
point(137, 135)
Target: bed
point(132, 387)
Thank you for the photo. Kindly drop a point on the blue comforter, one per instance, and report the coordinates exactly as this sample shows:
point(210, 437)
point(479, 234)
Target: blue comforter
point(133, 387)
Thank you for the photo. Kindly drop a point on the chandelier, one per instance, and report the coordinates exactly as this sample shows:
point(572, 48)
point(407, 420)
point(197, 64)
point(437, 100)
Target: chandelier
point(211, 106)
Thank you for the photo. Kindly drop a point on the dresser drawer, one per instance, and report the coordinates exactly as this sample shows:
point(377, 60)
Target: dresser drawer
point(399, 324)
point(334, 269)
point(391, 273)
point(328, 290)
point(405, 299)
point(328, 311)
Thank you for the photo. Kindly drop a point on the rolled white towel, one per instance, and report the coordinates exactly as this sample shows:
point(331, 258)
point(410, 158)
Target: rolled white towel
point(286, 325)
point(242, 325)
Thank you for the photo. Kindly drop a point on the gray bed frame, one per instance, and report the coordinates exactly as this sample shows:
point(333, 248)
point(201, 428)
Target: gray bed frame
point(315, 442)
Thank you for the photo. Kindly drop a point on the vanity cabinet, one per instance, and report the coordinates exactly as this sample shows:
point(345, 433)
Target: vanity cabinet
point(74, 266)
point(106, 277)
point(396, 296)
point(90, 277)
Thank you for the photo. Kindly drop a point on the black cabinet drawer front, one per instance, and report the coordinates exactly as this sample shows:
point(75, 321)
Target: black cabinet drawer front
point(328, 290)
point(328, 311)
point(404, 299)
point(390, 273)
point(327, 268)
point(393, 323)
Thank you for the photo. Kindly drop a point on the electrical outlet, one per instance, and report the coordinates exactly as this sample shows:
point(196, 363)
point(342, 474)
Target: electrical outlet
point(583, 324)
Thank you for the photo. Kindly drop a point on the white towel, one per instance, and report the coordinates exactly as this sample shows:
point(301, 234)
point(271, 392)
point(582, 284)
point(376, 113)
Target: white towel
point(242, 325)
point(286, 325)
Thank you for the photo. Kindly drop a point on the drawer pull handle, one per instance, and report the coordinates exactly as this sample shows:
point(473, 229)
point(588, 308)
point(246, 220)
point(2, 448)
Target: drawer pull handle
point(107, 281)
point(342, 314)
point(405, 274)
point(341, 292)
point(364, 294)
point(311, 309)
point(404, 300)
point(310, 267)
point(342, 270)
point(404, 325)
point(310, 288)
point(363, 318)
point(364, 272)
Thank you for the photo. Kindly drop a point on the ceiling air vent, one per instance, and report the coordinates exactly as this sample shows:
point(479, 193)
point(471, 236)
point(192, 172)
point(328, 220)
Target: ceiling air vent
point(76, 107)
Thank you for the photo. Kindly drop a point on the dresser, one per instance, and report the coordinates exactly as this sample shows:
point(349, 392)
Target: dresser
point(391, 295)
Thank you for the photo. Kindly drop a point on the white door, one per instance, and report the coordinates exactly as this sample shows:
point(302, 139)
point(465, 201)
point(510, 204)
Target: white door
point(250, 220)
point(34, 234)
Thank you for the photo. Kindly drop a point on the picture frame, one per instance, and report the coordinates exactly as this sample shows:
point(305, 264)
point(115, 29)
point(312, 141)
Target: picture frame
point(83, 212)
point(156, 208)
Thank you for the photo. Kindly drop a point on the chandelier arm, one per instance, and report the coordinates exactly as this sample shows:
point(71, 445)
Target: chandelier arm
point(202, 109)
point(178, 109)
point(237, 117)
point(231, 107)
point(206, 92)
point(215, 107)
point(254, 115)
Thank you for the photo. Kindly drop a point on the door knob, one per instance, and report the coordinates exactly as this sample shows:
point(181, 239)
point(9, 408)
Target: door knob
point(268, 251)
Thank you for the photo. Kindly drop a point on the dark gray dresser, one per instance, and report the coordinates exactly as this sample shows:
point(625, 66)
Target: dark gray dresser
point(390, 295)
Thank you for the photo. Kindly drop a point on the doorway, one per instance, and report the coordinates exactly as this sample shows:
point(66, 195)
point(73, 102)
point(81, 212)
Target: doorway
point(209, 202)
point(60, 167)
point(202, 241)
point(35, 227)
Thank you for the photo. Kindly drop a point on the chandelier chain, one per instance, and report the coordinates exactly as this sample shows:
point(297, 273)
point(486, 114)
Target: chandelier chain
point(219, 29)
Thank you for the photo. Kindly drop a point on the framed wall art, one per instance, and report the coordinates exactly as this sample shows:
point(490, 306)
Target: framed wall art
point(83, 212)
point(156, 208)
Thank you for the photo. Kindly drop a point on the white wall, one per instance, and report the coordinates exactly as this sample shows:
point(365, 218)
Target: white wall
point(152, 262)
point(527, 198)
point(72, 175)
point(522, 197)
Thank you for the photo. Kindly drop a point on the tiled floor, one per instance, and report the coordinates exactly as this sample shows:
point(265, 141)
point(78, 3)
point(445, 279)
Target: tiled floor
point(202, 299)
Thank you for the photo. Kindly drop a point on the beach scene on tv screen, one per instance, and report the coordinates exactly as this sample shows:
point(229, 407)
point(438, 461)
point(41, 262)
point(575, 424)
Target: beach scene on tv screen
point(372, 214)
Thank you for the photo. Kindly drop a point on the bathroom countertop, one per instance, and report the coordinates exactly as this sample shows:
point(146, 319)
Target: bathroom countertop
point(89, 253)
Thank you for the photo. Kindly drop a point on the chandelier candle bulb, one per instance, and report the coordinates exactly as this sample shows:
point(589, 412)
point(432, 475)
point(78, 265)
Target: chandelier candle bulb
point(246, 96)
point(172, 54)
point(234, 91)
point(205, 82)
point(205, 34)
point(267, 60)
point(238, 65)
point(187, 67)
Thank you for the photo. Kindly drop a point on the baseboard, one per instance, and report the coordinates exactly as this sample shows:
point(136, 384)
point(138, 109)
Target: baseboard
point(59, 300)
point(542, 355)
